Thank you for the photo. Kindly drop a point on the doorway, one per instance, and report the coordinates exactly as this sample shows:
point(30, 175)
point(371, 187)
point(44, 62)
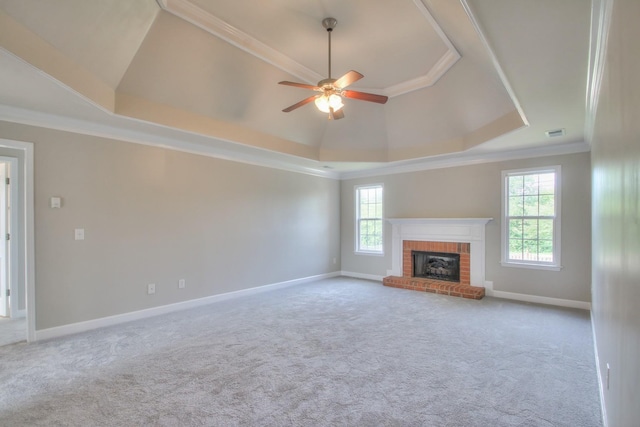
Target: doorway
point(9, 288)
point(17, 308)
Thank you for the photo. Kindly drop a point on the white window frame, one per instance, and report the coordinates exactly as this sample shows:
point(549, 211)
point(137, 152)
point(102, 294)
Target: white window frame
point(359, 251)
point(540, 265)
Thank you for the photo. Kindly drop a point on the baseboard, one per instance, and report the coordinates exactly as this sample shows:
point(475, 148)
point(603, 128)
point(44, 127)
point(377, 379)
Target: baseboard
point(88, 325)
point(19, 314)
point(362, 276)
point(603, 407)
point(539, 300)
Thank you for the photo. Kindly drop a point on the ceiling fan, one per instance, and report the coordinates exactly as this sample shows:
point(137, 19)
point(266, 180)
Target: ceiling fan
point(332, 90)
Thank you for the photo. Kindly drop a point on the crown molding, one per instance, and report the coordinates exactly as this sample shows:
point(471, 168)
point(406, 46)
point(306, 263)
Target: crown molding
point(256, 157)
point(438, 70)
point(601, 11)
point(286, 162)
point(494, 59)
point(469, 158)
point(212, 24)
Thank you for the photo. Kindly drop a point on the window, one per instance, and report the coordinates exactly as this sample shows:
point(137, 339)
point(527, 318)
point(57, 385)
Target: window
point(369, 219)
point(531, 218)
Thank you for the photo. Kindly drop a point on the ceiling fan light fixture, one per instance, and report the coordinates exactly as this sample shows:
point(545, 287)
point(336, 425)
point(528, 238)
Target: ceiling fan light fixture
point(332, 90)
point(324, 102)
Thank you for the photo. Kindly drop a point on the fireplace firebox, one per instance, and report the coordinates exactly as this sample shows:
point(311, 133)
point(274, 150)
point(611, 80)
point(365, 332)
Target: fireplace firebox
point(436, 265)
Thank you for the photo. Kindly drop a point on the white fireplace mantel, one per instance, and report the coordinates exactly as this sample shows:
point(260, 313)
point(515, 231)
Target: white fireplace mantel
point(464, 230)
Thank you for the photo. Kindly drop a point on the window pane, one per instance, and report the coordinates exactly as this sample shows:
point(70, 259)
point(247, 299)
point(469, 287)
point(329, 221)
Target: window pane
point(516, 184)
point(547, 183)
point(516, 206)
point(546, 250)
point(547, 207)
point(530, 228)
point(530, 248)
point(515, 249)
point(530, 205)
point(545, 229)
point(531, 184)
point(515, 229)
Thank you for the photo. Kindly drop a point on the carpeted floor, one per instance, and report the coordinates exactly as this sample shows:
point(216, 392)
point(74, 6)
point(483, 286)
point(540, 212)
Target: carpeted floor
point(329, 353)
point(12, 330)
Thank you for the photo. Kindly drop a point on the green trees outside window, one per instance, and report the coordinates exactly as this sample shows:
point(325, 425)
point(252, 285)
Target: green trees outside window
point(369, 219)
point(531, 216)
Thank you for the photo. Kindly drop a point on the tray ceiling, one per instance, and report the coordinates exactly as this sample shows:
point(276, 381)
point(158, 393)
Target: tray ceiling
point(462, 77)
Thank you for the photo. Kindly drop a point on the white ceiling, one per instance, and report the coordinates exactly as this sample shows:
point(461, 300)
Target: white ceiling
point(466, 79)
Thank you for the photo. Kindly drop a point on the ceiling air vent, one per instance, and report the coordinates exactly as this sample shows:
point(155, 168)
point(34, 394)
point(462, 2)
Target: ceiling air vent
point(554, 133)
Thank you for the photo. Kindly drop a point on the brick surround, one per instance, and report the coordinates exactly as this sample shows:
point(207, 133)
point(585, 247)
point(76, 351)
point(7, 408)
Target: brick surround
point(462, 289)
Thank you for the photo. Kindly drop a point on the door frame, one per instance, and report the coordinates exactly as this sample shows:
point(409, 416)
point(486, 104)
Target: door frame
point(11, 264)
point(25, 225)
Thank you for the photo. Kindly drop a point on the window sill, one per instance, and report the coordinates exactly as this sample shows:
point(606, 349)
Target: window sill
point(369, 253)
point(512, 264)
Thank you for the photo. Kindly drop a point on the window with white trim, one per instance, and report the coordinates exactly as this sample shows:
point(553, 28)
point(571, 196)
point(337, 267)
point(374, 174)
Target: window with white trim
point(531, 218)
point(369, 219)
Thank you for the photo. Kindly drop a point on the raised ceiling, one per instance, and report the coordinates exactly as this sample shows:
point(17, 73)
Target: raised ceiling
point(464, 78)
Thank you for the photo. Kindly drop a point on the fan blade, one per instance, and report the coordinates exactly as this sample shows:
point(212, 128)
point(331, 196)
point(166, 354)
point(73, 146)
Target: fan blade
point(363, 96)
point(336, 115)
point(302, 85)
point(299, 104)
point(348, 79)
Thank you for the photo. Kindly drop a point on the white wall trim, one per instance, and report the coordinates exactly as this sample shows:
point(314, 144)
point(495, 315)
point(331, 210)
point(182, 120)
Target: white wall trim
point(66, 124)
point(210, 23)
point(88, 325)
point(494, 60)
point(539, 299)
point(468, 158)
point(488, 287)
point(603, 407)
point(601, 12)
point(361, 276)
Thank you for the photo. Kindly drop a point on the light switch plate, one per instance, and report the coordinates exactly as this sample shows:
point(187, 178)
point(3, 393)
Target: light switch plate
point(79, 233)
point(56, 202)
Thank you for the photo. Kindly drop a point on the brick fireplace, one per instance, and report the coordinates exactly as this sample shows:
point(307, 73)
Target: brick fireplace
point(463, 237)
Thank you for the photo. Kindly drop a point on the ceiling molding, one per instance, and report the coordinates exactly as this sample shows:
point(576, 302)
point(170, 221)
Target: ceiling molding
point(494, 60)
point(600, 23)
point(257, 158)
point(212, 24)
point(51, 121)
point(442, 66)
point(469, 158)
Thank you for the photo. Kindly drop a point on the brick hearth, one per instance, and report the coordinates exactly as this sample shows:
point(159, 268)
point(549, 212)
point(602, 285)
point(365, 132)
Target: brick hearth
point(462, 289)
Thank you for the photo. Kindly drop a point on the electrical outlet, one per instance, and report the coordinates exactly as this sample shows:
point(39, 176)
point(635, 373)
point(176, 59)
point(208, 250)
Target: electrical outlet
point(181, 284)
point(151, 288)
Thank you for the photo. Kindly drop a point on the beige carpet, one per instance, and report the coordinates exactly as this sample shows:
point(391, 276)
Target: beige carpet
point(330, 353)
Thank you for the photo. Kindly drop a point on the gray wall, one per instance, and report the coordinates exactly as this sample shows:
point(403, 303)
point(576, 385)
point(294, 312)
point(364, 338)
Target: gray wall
point(616, 218)
point(153, 215)
point(474, 191)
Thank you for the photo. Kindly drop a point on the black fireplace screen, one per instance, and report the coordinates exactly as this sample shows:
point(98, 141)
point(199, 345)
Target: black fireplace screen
point(436, 265)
